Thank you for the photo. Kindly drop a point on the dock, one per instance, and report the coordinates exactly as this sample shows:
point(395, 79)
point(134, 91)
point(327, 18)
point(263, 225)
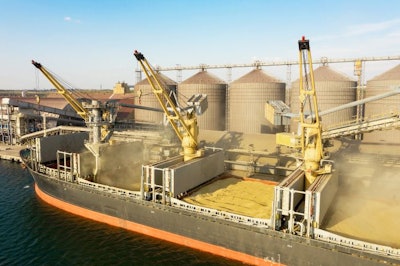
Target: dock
point(10, 152)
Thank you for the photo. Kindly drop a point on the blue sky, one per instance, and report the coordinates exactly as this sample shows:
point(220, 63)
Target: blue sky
point(90, 43)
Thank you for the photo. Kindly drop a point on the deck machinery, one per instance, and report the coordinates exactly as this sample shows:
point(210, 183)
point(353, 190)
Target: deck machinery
point(302, 198)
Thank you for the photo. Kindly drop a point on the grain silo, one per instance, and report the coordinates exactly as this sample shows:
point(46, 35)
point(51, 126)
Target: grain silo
point(332, 89)
point(148, 99)
point(206, 83)
point(246, 102)
point(382, 83)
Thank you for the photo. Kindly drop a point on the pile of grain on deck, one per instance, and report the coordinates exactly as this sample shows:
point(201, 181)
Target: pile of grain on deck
point(367, 205)
point(244, 197)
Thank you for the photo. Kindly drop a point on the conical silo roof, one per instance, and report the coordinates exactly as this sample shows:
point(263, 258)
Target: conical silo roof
point(391, 74)
point(325, 73)
point(256, 76)
point(164, 78)
point(203, 77)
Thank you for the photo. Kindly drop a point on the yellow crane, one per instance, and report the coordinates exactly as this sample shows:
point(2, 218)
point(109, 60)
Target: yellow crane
point(310, 139)
point(310, 124)
point(183, 123)
point(75, 104)
point(100, 117)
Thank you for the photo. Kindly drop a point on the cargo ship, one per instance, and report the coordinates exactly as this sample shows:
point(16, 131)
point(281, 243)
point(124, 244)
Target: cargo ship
point(160, 198)
point(61, 181)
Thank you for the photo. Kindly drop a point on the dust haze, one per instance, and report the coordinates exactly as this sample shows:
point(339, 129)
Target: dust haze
point(367, 204)
point(120, 165)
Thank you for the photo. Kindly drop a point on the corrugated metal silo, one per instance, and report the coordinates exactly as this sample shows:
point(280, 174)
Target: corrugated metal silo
point(333, 89)
point(206, 83)
point(246, 102)
point(148, 99)
point(380, 84)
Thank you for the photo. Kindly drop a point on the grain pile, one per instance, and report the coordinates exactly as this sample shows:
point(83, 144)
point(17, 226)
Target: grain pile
point(368, 220)
point(367, 205)
point(235, 195)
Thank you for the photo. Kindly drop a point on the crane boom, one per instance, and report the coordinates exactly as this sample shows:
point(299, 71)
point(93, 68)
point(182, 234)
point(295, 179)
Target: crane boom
point(185, 127)
point(76, 105)
point(97, 115)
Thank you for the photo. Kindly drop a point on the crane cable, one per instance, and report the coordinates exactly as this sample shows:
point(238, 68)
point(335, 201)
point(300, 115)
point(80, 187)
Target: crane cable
point(77, 93)
point(306, 77)
point(164, 84)
point(36, 79)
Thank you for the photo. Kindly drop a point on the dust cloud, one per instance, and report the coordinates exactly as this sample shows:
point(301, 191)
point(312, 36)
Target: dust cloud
point(367, 204)
point(121, 161)
point(120, 165)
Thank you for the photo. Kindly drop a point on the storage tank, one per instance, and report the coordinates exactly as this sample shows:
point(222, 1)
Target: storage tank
point(148, 99)
point(332, 89)
point(246, 102)
point(206, 83)
point(382, 83)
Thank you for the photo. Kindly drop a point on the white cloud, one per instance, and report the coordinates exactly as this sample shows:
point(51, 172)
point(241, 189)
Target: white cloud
point(364, 29)
point(368, 39)
point(371, 27)
point(394, 34)
point(69, 19)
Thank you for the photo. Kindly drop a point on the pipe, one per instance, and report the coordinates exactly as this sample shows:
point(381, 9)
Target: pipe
point(359, 102)
point(351, 104)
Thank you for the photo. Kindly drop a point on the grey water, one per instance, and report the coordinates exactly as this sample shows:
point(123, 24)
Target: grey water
point(35, 233)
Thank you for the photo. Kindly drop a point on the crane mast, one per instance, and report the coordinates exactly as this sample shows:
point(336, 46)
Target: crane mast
point(185, 126)
point(310, 124)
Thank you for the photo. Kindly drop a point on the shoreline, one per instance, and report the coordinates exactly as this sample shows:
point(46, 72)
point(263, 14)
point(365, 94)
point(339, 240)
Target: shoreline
point(10, 152)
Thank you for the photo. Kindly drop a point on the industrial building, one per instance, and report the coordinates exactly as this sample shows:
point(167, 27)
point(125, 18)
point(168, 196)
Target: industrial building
point(236, 106)
point(145, 97)
point(23, 113)
point(384, 82)
point(246, 100)
point(334, 89)
point(246, 96)
point(204, 82)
